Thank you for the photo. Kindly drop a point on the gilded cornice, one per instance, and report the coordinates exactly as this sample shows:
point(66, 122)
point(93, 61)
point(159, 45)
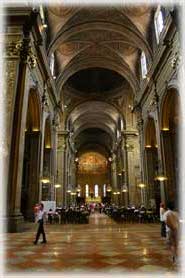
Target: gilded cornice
point(138, 112)
point(21, 49)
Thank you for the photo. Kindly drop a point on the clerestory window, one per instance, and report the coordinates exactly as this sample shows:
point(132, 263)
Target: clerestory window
point(52, 64)
point(86, 190)
point(143, 65)
point(104, 190)
point(159, 22)
point(96, 190)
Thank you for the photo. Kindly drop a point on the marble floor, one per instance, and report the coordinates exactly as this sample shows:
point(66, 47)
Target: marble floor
point(100, 247)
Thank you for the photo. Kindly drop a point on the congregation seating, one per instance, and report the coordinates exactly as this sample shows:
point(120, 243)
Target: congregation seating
point(70, 216)
point(132, 215)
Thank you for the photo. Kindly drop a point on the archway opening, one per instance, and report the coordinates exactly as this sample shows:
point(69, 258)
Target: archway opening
point(47, 189)
point(151, 165)
point(170, 136)
point(93, 175)
point(30, 177)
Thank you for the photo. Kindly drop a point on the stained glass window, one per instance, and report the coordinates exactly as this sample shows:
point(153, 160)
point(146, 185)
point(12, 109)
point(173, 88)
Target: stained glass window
point(52, 63)
point(87, 190)
point(143, 65)
point(159, 23)
point(104, 190)
point(96, 190)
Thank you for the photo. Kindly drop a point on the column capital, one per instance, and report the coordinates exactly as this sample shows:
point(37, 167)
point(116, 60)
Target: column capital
point(62, 136)
point(64, 133)
point(12, 48)
point(129, 133)
point(21, 49)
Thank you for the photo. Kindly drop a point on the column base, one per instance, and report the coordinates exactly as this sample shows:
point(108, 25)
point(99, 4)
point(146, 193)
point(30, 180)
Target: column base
point(14, 223)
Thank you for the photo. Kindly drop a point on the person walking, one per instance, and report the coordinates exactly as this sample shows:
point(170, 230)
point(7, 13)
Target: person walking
point(172, 229)
point(40, 219)
point(163, 224)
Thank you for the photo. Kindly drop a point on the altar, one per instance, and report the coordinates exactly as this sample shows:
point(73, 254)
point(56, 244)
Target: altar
point(93, 200)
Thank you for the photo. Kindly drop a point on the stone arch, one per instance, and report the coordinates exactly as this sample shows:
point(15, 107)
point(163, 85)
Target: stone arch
point(47, 170)
point(47, 134)
point(31, 162)
point(81, 62)
point(151, 163)
point(170, 109)
point(33, 120)
point(170, 126)
point(150, 133)
point(92, 169)
point(84, 106)
point(130, 32)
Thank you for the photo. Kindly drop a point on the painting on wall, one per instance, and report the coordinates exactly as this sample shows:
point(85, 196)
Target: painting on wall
point(92, 163)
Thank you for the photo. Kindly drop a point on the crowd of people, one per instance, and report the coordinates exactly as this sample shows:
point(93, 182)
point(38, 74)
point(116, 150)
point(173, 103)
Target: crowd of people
point(132, 213)
point(70, 214)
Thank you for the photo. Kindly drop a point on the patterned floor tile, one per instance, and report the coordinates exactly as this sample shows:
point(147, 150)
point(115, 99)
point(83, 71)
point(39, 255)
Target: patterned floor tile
point(102, 246)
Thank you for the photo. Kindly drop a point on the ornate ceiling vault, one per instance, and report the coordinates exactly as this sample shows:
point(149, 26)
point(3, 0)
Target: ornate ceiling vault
point(104, 37)
point(97, 51)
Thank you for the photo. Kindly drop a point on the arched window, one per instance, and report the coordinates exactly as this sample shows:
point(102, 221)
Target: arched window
point(143, 65)
point(86, 190)
point(96, 190)
point(52, 64)
point(41, 10)
point(159, 22)
point(118, 133)
point(104, 190)
point(122, 126)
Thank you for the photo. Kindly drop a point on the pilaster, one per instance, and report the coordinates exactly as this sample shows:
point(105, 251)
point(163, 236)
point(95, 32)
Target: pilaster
point(20, 58)
point(61, 161)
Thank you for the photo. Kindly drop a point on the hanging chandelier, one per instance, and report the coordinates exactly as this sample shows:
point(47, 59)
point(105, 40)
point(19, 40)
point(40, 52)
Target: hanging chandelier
point(78, 188)
point(109, 189)
point(125, 188)
point(160, 176)
point(142, 185)
point(45, 179)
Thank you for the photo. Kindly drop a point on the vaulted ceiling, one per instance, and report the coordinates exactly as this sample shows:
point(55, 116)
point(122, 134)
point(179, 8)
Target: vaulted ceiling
point(97, 51)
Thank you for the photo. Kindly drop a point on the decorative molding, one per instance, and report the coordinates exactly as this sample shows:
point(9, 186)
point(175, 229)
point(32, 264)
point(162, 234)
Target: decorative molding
point(45, 105)
point(12, 49)
point(138, 111)
point(10, 81)
point(21, 49)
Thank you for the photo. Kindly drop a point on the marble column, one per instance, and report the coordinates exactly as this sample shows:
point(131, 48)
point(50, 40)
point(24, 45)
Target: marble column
point(54, 159)
point(126, 168)
point(73, 172)
point(170, 166)
point(45, 114)
point(47, 188)
point(153, 185)
point(114, 177)
point(132, 163)
point(142, 177)
point(61, 165)
point(125, 195)
point(155, 110)
point(17, 131)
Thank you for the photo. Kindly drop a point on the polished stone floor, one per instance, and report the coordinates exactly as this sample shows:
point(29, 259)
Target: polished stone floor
point(102, 247)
